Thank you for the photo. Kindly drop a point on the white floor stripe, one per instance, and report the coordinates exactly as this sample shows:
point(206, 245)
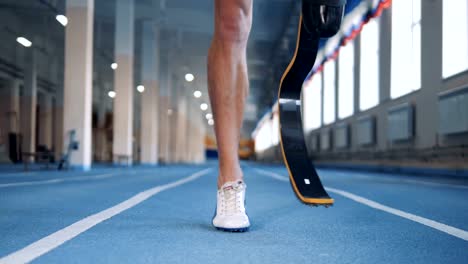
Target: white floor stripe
point(456, 232)
point(59, 180)
point(17, 174)
point(438, 184)
point(272, 175)
point(419, 182)
point(46, 244)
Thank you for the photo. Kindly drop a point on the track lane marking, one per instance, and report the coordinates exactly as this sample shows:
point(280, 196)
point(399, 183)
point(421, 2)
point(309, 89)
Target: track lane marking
point(58, 180)
point(453, 231)
point(71, 179)
point(17, 174)
point(419, 182)
point(54, 240)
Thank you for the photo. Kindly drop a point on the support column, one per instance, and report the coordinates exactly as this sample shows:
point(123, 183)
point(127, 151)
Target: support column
point(58, 123)
point(101, 138)
point(181, 127)
point(123, 80)
point(9, 118)
point(190, 132)
point(357, 69)
point(149, 99)
point(200, 139)
point(100, 146)
point(356, 92)
point(164, 109)
point(163, 137)
point(29, 103)
point(195, 137)
point(45, 121)
point(385, 60)
point(431, 73)
point(9, 107)
point(78, 79)
point(58, 126)
point(173, 120)
point(187, 132)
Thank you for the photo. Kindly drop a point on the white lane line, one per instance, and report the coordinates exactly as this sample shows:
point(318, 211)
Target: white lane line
point(78, 178)
point(438, 184)
point(59, 180)
point(17, 174)
point(386, 178)
point(272, 175)
point(48, 243)
point(456, 232)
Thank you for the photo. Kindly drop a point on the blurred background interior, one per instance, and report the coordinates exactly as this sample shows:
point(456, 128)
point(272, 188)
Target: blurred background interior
point(124, 82)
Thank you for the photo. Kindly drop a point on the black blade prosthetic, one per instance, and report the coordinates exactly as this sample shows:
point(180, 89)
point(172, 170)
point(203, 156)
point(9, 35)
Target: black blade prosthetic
point(319, 19)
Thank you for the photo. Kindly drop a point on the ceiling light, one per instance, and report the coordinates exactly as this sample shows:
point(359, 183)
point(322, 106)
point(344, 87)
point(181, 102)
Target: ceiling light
point(204, 107)
point(111, 94)
point(24, 41)
point(114, 66)
point(197, 94)
point(211, 122)
point(189, 77)
point(62, 20)
point(140, 88)
point(209, 116)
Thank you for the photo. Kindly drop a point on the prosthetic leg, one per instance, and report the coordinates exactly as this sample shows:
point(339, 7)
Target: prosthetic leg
point(319, 19)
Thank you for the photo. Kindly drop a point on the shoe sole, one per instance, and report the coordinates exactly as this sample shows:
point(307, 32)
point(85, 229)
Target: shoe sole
point(233, 230)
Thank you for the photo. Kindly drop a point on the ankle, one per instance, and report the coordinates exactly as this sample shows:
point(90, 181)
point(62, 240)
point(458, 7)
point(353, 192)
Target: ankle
point(230, 175)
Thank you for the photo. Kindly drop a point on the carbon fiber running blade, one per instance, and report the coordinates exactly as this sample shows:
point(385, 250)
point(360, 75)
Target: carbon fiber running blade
point(302, 174)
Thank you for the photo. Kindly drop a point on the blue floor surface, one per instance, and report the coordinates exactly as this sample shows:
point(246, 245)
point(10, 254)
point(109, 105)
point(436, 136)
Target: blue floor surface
point(174, 226)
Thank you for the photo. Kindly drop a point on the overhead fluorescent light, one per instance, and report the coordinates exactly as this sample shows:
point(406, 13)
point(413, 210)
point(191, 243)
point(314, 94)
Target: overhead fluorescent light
point(189, 77)
point(62, 20)
point(24, 41)
point(197, 94)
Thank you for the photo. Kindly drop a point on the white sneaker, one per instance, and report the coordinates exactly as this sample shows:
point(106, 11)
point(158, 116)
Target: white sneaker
point(230, 210)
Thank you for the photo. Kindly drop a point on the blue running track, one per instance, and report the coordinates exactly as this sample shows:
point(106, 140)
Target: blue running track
point(163, 215)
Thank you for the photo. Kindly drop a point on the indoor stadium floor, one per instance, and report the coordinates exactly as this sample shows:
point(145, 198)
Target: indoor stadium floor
point(163, 215)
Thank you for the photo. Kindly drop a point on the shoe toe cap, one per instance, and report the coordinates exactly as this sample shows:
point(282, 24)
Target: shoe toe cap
point(236, 221)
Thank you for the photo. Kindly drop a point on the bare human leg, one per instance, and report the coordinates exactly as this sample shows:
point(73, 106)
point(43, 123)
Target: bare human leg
point(228, 81)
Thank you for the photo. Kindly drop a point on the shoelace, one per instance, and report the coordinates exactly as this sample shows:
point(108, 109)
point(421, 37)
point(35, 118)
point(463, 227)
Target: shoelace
point(231, 201)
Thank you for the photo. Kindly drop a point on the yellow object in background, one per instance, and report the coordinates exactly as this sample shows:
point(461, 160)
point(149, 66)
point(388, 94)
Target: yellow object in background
point(246, 147)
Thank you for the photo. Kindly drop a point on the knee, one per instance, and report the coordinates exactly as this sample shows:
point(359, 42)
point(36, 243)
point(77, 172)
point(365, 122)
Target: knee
point(234, 24)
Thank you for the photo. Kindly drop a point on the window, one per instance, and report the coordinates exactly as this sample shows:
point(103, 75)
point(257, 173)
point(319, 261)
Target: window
point(312, 107)
point(455, 37)
point(369, 66)
point(267, 134)
point(263, 138)
point(329, 92)
point(406, 47)
point(346, 81)
point(275, 137)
